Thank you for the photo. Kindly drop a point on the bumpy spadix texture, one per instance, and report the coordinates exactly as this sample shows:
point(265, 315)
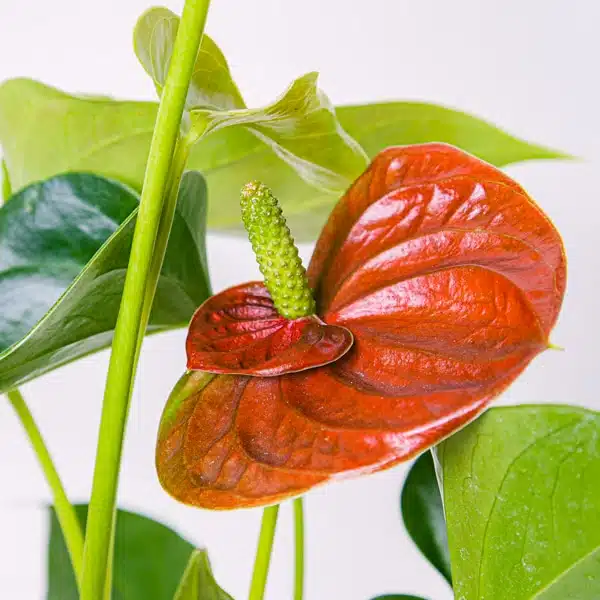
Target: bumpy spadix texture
point(449, 278)
point(275, 252)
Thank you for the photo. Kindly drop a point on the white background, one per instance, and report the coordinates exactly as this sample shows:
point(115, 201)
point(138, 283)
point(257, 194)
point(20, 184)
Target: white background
point(529, 66)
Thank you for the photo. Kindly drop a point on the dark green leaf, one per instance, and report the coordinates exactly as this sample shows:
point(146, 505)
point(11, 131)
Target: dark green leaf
point(398, 597)
point(211, 85)
point(423, 514)
point(520, 488)
point(64, 248)
point(112, 139)
point(150, 559)
point(198, 582)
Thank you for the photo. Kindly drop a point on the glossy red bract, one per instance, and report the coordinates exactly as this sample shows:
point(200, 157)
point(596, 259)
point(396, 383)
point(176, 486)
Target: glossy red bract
point(437, 281)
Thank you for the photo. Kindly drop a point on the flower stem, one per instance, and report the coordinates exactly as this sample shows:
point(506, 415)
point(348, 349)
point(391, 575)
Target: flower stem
point(65, 513)
point(263, 553)
point(299, 548)
point(130, 322)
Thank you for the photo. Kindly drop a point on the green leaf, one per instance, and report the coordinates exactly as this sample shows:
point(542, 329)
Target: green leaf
point(520, 488)
point(377, 126)
point(64, 248)
point(150, 559)
point(198, 582)
point(211, 85)
point(112, 138)
point(63, 133)
point(423, 514)
point(302, 130)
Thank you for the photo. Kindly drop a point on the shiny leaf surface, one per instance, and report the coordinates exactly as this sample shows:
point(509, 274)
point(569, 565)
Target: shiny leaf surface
point(423, 514)
point(211, 85)
point(64, 248)
point(198, 582)
point(450, 279)
point(150, 559)
point(111, 138)
point(239, 331)
point(520, 488)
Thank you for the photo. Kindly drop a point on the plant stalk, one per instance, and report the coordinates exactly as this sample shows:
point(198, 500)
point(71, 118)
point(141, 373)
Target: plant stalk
point(132, 318)
point(263, 553)
point(65, 513)
point(299, 548)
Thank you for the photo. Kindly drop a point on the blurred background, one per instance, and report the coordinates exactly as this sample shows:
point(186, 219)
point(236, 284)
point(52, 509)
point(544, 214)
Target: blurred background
point(529, 67)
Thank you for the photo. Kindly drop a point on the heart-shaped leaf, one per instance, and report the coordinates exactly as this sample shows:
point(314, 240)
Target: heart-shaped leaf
point(211, 85)
point(520, 489)
point(423, 514)
point(198, 582)
point(72, 133)
point(64, 248)
point(150, 560)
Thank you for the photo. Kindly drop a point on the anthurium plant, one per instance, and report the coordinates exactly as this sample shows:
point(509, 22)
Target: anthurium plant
point(434, 282)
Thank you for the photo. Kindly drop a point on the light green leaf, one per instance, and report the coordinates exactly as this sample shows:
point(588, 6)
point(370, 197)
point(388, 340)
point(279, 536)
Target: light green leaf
point(423, 514)
point(198, 582)
point(112, 139)
point(520, 489)
point(64, 249)
point(211, 85)
point(44, 132)
point(301, 129)
point(6, 189)
point(150, 559)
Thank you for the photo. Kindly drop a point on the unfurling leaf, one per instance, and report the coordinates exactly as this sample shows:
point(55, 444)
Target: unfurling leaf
point(301, 128)
point(211, 85)
point(111, 138)
point(423, 514)
point(450, 279)
point(520, 490)
point(64, 249)
point(198, 581)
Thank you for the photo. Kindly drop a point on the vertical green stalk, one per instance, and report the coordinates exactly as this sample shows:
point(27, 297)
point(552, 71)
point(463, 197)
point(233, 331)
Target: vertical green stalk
point(132, 317)
point(263, 553)
point(65, 513)
point(298, 549)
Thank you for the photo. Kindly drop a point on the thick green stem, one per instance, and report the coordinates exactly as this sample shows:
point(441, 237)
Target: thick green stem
point(133, 317)
point(263, 553)
point(65, 513)
point(299, 549)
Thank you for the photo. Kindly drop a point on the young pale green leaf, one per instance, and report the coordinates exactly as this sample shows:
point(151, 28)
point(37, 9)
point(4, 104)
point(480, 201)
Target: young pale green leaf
point(520, 489)
point(44, 132)
point(301, 128)
point(112, 138)
point(211, 85)
point(64, 248)
point(150, 559)
point(6, 189)
point(423, 514)
point(198, 582)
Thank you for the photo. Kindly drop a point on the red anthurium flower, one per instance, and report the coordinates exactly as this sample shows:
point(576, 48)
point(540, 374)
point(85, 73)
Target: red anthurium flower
point(436, 281)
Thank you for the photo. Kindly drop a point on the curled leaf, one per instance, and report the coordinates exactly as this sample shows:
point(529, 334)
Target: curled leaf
point(211, 85)
point(450, 279)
